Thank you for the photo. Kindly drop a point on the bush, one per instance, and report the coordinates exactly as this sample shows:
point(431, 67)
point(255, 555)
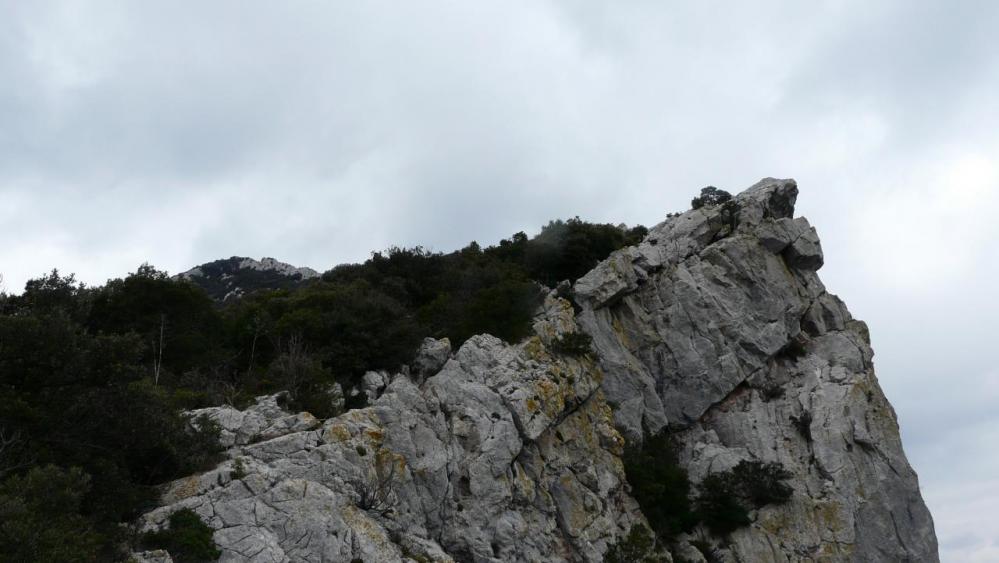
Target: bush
point(573, 344)
point(565, 250)
point(710, 196)
point(352, 327)
point(803, 424)
point(793, 350)
point(238, 469)
point(771, 390)
point(177, 321)
point(639, 546)
point(188, 539)
point(763, 483)
point(719, 506)
point(660, 485)
point(41, 519)
point(726, 498)
point(310, 387)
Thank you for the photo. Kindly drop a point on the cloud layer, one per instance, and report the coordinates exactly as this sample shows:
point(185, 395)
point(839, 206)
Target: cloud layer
point(182, 132)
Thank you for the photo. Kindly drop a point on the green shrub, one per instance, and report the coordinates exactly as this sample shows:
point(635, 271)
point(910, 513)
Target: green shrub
point(794, 349)
point(771, 390)
point(41, 519)
point(710, 196)
point(660, 485)
point(573, 344)
point(238, 469)
point(803, 424)
point(763, 483)
point(726, 498)
point(179, 325)
point(730, 216)
point(719, 506)
point(188, 539)
point(639, 546)
point(565, 250)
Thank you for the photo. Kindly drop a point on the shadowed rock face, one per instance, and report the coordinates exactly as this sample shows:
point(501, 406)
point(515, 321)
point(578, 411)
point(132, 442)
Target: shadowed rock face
point(718, 327)
point(715, 326)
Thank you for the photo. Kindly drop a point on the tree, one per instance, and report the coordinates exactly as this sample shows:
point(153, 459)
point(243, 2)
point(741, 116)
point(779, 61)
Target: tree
point(41, 519)
point(660, 485)
point(178, 322)
point(53, 294)
point(639, 546)
point(187, 539)
point(710, 196)
point(726, 497)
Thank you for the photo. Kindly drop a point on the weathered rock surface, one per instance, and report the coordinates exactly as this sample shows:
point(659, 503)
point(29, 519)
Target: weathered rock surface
point(261, 421)
point(506, 453)
point(718, 327)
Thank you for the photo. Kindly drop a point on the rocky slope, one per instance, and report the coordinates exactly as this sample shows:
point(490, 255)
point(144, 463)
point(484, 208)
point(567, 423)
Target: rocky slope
point(715, 326)
point(506, 453)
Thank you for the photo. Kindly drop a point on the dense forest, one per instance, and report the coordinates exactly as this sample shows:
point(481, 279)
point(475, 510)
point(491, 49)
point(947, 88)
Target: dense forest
point(94, 380)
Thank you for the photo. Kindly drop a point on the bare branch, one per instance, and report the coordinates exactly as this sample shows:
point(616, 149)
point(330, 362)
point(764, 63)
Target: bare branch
point(378, 495)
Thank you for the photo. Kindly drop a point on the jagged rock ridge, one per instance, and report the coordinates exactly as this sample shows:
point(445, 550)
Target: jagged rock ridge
point(236, 276)
point(716, 326)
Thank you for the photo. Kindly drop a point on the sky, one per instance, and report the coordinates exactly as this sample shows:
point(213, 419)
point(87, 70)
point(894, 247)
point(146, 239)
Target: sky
point(180, 132)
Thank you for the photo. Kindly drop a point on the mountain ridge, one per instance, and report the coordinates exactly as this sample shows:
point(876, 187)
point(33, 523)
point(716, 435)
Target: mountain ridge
point(715, 326)
point(233, 277)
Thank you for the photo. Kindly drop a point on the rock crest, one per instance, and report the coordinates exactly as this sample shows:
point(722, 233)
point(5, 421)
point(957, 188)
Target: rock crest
point(716, 327)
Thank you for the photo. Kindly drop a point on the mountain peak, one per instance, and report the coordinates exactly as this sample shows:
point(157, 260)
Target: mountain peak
point(233, 277)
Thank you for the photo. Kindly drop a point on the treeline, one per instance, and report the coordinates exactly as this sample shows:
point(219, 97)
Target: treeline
point(93, 380)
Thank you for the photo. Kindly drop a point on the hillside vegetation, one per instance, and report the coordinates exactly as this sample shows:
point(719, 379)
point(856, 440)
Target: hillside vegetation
point(93, 379)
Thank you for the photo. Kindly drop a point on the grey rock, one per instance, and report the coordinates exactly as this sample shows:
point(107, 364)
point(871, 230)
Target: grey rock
point(430, 358)
point(264, 420)
point(507, 453)
point(728, 340)
point(373, 383)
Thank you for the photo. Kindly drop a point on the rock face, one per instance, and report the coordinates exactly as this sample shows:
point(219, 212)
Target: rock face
point(717, 327)
point(505, 453)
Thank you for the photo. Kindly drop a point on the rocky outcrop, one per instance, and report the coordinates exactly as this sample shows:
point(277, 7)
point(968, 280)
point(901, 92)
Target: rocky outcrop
point(263, 420)
point(717, 327)
point(505, 453)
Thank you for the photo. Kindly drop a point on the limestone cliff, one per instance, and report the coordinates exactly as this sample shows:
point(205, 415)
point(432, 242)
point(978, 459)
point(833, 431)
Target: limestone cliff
point(716, 327)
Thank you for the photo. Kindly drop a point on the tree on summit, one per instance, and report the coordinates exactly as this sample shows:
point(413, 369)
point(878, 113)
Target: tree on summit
point(710, 196)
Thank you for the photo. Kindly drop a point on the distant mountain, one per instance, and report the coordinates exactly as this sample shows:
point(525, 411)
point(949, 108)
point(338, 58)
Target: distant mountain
point(237, 276)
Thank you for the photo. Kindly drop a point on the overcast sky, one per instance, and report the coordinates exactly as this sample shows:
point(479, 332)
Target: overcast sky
point(314, 132)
